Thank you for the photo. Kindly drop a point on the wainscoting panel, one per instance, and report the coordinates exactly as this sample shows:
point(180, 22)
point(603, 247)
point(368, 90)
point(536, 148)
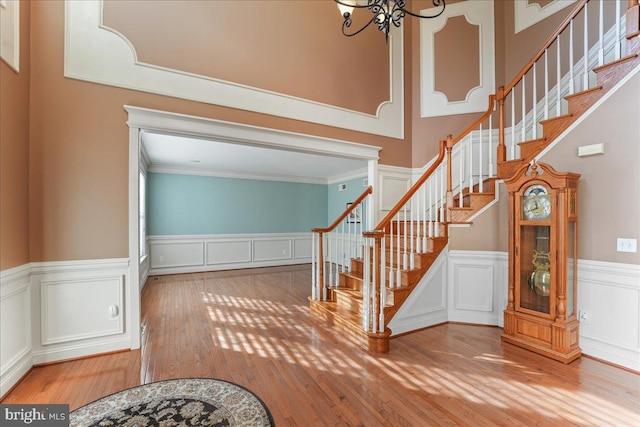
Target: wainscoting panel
point(477, 286)
point(81, 308)
point(176, 254)
point(394, 183)
point(427, 304)
point(272, 249)
point(15, 326)
point(302, 248)
point(74, 310)
point(609, 299)
point(227, 251)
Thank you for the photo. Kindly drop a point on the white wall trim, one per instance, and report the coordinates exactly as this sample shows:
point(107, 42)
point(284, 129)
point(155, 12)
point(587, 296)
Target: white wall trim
point(166, 122)
point(434, 103)
point(526, 14)
point(213, 252)
point(93, 284)
point(15, 326)
point(236, 174)
point(10, 33)
point(477, 284)
point(610, 295)
point(96, 53)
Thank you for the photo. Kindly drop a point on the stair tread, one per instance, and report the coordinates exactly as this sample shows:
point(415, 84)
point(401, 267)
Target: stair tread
point(582, 92)
point(564, 116)
point(533, 141)
point(618, 61)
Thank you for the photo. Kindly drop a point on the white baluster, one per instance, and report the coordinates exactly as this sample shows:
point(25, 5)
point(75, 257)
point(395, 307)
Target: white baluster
point(491, 165)
point(424, 214)
point(523, 131)
point(513, 124)
point(365, 285)
point(601, 34)
point(314, 279)
point(442, 196)
point(558, 78)
point(391, 257)
point(534, 129)
point(405, 258)
point(480, 161)
point(431, 206)
point(411, 252)
point(618, 46)
point(383, 280)
point(398, 268)
point(461, 172)
point(470, 162)
point(585, 77)
point(571, 83)
point(546, 84)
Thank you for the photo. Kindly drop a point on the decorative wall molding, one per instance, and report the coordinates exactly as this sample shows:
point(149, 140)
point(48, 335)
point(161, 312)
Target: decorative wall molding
point(236, 175)
point(435, 104)
point(146, 119)
point(527, 14)
point(71, 303)
point(609, 295)
point(101, 55)
point(10, 33)
point(477, 283)
point(394, 182)
point(197, 253)
point(74, 310)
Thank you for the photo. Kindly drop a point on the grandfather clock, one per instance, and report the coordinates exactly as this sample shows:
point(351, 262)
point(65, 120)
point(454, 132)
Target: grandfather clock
point(543, 235)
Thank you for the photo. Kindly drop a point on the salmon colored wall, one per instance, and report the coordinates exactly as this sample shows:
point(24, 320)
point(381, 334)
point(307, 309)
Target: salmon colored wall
point(14, 154)
point(79, 149)
point(294, 48)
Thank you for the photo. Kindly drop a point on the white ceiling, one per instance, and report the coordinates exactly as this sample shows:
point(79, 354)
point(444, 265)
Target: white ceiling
point(208, 157)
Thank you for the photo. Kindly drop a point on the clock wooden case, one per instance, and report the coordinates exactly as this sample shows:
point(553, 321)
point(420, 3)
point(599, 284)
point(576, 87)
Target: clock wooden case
point(543, 235)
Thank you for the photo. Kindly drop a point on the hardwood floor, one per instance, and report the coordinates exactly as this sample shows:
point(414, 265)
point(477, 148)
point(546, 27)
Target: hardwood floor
point(254, 327)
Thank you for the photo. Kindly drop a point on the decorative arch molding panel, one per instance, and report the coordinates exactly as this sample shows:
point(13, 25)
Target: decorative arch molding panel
point(10, 33)
point(435, 103)
point(101, 55)
point(529, 12)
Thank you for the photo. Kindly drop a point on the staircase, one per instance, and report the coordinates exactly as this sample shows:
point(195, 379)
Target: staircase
point(360, 294)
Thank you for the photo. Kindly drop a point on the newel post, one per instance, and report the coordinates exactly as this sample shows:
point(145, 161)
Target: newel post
point(449, 177)
point(501, 150)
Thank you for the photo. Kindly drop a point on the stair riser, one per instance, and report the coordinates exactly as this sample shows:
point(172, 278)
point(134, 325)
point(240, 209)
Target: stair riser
point(418, 227)
point(347, 303)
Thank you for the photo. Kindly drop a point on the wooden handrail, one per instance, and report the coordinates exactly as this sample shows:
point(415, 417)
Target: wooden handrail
point(563, 25)
point(475, 124)
point(344, 214)
point(414, 188)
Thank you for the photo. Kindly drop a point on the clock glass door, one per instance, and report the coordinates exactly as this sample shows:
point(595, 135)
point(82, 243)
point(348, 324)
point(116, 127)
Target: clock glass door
point(535, 276)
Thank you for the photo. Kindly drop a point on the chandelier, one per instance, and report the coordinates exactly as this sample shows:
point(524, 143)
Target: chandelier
point(385, 13)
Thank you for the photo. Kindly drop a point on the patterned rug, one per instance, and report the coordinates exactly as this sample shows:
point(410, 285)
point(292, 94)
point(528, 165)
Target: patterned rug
point(181, 402)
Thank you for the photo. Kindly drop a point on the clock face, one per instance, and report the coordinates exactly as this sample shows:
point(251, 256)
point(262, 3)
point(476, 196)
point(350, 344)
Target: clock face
point(536, 204)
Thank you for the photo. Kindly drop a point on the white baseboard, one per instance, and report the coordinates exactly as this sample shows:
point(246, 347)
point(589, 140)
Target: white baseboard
point(14, 372)
point(74, 351)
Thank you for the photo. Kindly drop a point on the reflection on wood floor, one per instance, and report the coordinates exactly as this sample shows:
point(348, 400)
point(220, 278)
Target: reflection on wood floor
point(253, 327)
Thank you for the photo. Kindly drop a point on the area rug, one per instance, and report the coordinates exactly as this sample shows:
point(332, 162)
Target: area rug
point(180, 402)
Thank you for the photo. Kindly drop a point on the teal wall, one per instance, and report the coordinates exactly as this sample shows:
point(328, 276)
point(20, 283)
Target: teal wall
point(190, 204)
point(337, 200)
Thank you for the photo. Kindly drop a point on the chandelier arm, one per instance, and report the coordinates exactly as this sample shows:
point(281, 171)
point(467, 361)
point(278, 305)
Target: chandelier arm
point(436, 3)
point(347, 24)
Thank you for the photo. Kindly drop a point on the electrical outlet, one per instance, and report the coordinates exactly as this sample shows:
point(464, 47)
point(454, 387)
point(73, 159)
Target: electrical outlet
point(583, 317)
point(627, 245)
